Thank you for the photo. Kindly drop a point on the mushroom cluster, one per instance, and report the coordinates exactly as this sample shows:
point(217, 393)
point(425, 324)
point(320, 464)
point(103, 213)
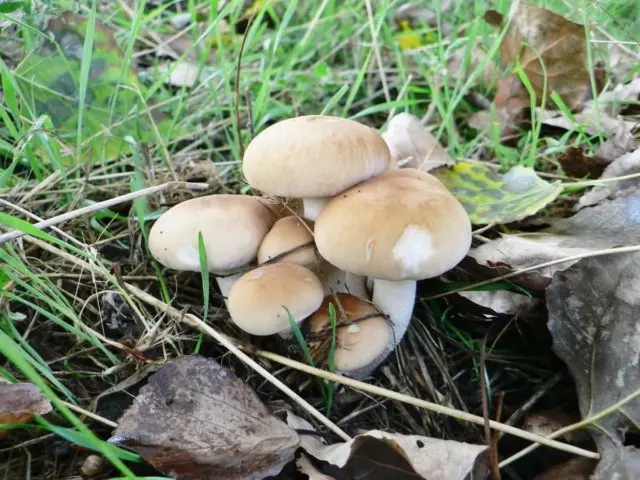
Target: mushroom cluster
point(368, 232)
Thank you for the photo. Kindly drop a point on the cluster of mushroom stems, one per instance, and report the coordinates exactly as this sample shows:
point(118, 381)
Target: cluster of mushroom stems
point(367, 231)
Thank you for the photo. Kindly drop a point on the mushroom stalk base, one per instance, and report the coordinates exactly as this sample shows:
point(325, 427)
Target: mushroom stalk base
point(396, 300)
point(313, 206)
point(225, 284)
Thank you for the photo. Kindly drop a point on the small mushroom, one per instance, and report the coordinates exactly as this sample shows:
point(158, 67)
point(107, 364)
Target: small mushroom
point(232, 227)
point(289, 234)
point(399, 227)
point(313, 157)
point(363, 337)
point(259, 300)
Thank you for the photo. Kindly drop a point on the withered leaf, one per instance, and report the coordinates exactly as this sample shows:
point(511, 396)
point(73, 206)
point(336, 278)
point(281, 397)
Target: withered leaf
point(612, 223)
point(378, 455)
point(576, 163)
point(19, 402)
point(551, 50)
point(619, 463)
point(196, 419)
point(594, 308)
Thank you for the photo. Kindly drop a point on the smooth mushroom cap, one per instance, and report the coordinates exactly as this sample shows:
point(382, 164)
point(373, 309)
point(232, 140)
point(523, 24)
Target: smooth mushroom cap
point(287, 234)
point(359, 343)
point(313, 156)
point(232, 227)
point(401, 225)
point(257, 299)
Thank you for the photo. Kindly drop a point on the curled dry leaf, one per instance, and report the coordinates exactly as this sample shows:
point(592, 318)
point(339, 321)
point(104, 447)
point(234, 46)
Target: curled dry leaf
point(196, 419)
point(619, 463)
point(551, 50)
point(378, 455)
point(612, 223)
point(594, 308)
point(491, 197)
point(19, 402)
point(412, 145)
point(625, 165)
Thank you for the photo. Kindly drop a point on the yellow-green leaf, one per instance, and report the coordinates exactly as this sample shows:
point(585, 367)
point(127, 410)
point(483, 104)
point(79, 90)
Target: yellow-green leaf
point(492, 197)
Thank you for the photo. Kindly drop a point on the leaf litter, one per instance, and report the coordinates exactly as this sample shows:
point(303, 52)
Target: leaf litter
point(19, 402)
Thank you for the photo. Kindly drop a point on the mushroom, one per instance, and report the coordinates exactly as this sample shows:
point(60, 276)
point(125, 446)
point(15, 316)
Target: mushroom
point(260, 299)
point(313, 157)
point(232, 228)
point(289, 234)
point(363, 337)
point(399, 227)
point(295, 235)
point(411, 145)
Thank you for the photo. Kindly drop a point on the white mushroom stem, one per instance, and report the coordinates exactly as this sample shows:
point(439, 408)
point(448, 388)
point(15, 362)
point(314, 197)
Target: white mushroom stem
point(313, 206)
point(396, 300)
point(225, 284)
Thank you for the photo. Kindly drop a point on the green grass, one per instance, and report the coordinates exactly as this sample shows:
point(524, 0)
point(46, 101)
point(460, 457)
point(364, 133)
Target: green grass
point(298, 58)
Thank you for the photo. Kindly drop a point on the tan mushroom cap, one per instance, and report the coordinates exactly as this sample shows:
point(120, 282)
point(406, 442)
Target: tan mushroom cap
point(257, 298)
point(287, 234)
point(314, 156)
point(401, 225)
point(232, 227)
point(360, 343)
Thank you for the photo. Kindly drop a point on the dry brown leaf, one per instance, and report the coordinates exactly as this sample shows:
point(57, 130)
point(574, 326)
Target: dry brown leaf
point(305, 466)
point(551, 50)
point(19, 402)
point(578, 468)
point(576, 163)
point(196, 419)
point(378, 455)
point(544, 423)
point(412, 145)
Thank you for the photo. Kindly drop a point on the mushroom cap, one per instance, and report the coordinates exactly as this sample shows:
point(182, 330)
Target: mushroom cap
point(314, 156)
point(401, 225)
point(360, 343)
point(285, 235)
point(232, 227)
point(257, 298)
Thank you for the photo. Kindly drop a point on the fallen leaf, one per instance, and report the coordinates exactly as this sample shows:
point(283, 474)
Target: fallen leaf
point(305, 466)
point(19, 402)
point(622, 142)
point(601, 115)
point(502, 301)
point(625, 165)
point(491, 197)
point(183, 74)
point(544, 423)
point(593, 320)
point(611, 223)
point(196, 419)
point(551, 50)
point(578, 468)
point(619, 463)
point(576, 163)
point(412, 145)
point(378, 455)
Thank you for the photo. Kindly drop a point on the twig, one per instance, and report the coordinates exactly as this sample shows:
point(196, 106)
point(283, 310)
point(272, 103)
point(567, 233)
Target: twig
point(597, 253)
point(483, 393)
point(493, 453)
point(89, 414)
point(106, 204)
point(570, 428)
point(434, 407)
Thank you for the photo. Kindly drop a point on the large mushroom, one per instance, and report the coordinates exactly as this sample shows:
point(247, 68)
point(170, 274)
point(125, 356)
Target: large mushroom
point(362, 335)
point(399, 227)
point(262, 299)
point(232, 228)
point(314, 157)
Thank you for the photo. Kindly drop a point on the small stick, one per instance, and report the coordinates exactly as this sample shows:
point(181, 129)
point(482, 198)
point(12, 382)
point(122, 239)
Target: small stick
point(106, 204)
point(89, 414)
